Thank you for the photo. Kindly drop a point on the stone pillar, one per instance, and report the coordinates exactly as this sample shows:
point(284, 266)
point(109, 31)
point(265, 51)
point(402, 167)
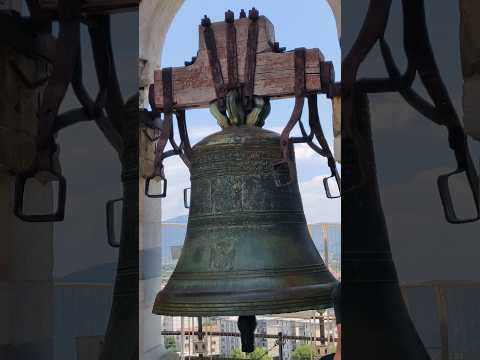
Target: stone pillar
point(26, 249)
point(470, 52)
point(336, 6)
point(26, 278)
point(151, 342)
point(155, 19)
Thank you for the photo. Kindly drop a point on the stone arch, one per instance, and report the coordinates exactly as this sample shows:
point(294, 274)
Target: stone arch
point(155, 19)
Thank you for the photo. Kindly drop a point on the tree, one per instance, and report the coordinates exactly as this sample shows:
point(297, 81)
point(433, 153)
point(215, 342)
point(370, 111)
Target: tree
point(170, 344)
point(257, 354)
point(238, 354)
point(303, 352)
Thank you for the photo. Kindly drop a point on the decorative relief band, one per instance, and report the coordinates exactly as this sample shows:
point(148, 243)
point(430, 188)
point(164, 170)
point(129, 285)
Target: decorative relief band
point(246, 219)
point(231, 160)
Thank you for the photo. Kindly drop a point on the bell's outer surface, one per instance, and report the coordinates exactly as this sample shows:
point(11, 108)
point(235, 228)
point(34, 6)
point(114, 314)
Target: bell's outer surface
point(247, 249)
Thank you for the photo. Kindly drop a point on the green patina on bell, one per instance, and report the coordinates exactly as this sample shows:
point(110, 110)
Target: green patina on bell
point(247, 250)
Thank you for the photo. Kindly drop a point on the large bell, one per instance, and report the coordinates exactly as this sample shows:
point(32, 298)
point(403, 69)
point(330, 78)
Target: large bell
point(247, 249)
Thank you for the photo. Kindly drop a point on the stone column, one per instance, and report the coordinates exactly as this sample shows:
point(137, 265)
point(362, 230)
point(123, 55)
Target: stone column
point(155, 19)
point(26, 278)
point(151, 342)
point(26, 249)
point(470, 52)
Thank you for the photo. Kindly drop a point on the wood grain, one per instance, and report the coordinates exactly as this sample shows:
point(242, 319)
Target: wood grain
point(274, 75)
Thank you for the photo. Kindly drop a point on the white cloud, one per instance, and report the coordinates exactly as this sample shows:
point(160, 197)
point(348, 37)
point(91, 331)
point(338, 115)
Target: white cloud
point(303, 152)
point(317, 207)
point(178, 179)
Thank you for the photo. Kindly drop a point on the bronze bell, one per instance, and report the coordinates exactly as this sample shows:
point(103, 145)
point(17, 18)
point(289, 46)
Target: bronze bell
point(247, 249)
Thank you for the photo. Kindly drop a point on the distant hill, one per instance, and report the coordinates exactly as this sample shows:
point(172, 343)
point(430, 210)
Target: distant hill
point(182, 219)
point(172, 235)
point(103, 273)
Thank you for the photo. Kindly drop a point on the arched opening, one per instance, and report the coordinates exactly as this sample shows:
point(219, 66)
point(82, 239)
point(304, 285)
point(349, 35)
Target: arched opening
point(315, 27)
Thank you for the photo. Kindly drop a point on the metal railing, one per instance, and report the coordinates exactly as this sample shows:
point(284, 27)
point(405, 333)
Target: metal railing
point(439, 288)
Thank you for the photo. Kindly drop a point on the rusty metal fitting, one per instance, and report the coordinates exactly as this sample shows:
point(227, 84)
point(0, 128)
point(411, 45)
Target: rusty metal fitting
point(253, 14)
point(188, 63)
point(277, 48)
point(206, 21)
point(334, 90)
point(229, 17)
point(327, 75)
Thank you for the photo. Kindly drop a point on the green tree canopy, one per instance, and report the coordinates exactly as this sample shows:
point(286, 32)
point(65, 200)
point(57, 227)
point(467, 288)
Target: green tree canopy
point(170, 343)
point(257, 354)
point(238, 354)
point(303, 352)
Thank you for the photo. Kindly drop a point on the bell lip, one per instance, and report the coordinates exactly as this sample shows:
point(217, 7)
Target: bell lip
point(313, 297)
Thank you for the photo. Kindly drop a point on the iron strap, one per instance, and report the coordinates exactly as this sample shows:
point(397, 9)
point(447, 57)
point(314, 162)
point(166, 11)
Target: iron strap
point(67, 47)
point(299, 58)
point(232, 65)
point(165, 135)
point(250, 61)
point(372, 30)
point(215, 67)
point(64, 63)
point(418, 47)
point(316, 127)
point(185, 147)
point(167, 122)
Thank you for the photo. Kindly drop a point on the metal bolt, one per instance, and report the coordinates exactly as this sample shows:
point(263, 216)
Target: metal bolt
point(327, 75)
point(242, 14)
point(229, 17)
point(253, 14)
point(277, 48)
point(188, 63)
point(206, 21)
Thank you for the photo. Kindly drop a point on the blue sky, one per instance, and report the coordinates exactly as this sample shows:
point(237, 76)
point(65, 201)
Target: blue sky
point(312, 25)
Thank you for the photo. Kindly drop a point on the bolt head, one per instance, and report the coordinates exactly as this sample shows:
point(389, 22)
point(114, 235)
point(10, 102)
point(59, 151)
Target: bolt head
point(206, 21)
point(229, 17)
point(253, 14)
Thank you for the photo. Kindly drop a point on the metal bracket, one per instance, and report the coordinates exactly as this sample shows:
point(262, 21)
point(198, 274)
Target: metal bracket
point(186, 203)
point(164, 187)
point(286, 162)
point(20, 182)
point(447, 202)
point(110, 214)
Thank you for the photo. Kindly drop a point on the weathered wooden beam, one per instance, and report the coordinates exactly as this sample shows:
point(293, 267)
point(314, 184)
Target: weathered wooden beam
point(274, 75)
point(96, 6)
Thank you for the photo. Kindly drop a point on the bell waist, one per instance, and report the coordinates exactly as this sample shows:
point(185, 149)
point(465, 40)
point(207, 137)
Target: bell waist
point(247, 218)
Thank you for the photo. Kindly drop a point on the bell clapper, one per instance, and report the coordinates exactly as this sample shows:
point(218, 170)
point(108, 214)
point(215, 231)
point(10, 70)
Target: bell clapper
point(247, 326)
